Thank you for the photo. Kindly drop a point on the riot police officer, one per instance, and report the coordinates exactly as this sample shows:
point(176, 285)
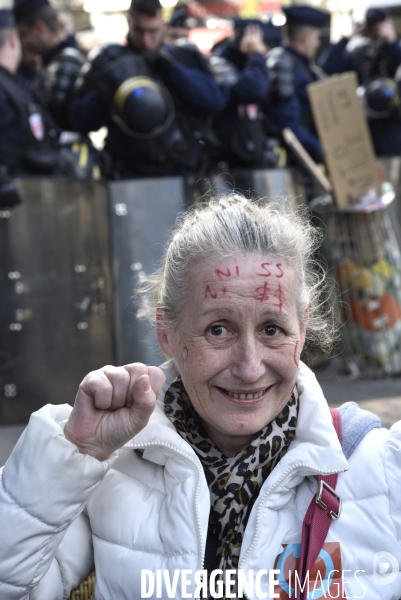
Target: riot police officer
point(42, 34)
point(292, 69)
point(375, 54)
point(156, 100)
point(28, 141)
point(373, 51)
point(178, 26)
point(241, 64)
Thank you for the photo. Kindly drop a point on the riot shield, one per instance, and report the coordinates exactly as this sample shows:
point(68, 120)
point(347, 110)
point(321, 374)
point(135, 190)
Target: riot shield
point(143, 211)
point(273, 185)
point(55, 293)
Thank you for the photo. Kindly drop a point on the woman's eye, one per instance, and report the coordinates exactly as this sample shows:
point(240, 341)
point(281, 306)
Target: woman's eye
point(217, 330)
point(272, 330)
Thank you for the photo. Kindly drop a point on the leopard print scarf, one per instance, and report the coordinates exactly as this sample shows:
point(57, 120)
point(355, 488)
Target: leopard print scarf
point(234, 482)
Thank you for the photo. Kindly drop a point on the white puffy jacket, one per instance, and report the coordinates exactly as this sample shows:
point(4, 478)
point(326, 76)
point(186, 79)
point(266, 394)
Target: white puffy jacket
point(61, 512)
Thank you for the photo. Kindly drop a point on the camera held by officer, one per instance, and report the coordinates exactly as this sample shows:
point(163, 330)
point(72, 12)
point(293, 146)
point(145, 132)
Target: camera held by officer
point(157, 100)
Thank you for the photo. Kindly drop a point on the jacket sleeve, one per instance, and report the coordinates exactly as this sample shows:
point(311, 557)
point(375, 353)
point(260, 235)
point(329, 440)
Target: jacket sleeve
point(46, 547)
point(394, 51)
point(333, 59)
point(288, 114)
point(198, 88)
point(393, 475)
point(253, 81)
point(89, 113)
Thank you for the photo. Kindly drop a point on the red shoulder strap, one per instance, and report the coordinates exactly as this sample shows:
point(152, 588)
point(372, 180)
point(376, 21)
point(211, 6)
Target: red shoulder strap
point(325, 506)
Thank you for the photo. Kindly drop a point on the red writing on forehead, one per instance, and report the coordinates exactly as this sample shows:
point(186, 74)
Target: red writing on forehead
point(262, 292)
point(227, 273)
point(208, 292)
point(267, 270)
point(214, 294)
point(220, 274)
point(279, 295)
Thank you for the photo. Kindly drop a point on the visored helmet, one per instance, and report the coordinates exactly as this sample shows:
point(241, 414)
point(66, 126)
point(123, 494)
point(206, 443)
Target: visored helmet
point(144, 109)
point(380, 98)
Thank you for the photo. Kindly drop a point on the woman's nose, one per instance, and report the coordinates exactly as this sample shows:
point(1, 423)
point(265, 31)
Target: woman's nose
point(248, 362)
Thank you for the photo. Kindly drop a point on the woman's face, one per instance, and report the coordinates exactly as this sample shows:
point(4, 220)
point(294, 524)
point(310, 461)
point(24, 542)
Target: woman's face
point(238, 345)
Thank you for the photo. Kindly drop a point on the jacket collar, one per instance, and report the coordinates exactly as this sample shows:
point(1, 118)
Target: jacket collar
point(301, 57)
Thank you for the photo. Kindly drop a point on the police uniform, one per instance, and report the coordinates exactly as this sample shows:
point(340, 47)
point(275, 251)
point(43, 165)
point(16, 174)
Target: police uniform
point(179, 24)
point(376, 64)
point(369, 58)
point(240, 128)
point(291, 73)
point(54, 81)
point(181, 78)
point(27, 138)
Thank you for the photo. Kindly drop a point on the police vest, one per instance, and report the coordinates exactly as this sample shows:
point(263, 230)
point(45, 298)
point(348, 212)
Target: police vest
point(36, 153)
point(123, 77)
point(54, 84)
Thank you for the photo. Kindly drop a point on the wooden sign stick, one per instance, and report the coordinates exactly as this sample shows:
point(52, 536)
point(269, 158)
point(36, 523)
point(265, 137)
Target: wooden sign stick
point(305, 158)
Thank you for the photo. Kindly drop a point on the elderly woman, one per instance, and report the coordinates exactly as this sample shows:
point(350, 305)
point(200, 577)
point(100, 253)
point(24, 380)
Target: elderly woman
point(210, 461)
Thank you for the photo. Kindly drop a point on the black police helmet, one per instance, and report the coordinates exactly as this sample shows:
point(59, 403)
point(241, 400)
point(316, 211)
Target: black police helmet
point(380, 98)
point(143, 106)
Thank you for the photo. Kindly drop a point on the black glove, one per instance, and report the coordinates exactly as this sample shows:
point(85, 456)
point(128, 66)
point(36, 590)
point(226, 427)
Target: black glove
point(158, 61)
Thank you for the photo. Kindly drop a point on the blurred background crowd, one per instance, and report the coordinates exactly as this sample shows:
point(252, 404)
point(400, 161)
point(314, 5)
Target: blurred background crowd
point(119, 89)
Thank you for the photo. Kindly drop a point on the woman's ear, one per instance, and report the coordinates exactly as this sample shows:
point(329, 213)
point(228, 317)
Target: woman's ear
point(163, 333)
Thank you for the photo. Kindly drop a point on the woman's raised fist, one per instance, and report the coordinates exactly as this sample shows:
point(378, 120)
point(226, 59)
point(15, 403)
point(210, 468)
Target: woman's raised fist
point(112, 405)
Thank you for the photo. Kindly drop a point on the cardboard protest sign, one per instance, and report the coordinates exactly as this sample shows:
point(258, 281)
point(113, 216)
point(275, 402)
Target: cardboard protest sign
point(345, 137)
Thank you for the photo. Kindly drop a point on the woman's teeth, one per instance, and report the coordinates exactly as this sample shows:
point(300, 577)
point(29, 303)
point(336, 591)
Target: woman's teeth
point(245, 396)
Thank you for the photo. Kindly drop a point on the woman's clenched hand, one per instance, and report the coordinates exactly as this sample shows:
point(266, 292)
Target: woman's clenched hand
point(113, 404)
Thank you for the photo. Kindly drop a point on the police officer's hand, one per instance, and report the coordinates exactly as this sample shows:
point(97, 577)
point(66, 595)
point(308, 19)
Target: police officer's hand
point(252, 41)
point(113, 404)
point(386, 31)
point(158, 61)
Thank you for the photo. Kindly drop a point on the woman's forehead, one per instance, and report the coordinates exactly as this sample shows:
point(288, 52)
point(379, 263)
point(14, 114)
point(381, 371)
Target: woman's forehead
point(261, 280)
point(239, 267)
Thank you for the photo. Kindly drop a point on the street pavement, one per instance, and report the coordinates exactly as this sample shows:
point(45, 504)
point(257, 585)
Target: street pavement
point(380, 396)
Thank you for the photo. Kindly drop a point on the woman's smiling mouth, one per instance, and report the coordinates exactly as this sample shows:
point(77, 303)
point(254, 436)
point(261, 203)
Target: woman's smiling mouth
point(243, 396)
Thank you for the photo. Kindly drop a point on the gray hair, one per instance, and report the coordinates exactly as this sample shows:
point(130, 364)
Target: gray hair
point(231, 225)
